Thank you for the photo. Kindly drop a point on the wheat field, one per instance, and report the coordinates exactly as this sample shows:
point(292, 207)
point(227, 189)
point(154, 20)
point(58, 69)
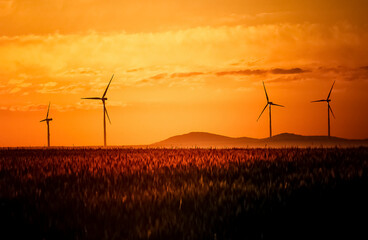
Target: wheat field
point(121, 193)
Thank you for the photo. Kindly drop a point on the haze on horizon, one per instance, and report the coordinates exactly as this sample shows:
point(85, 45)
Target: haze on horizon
point(180, 66)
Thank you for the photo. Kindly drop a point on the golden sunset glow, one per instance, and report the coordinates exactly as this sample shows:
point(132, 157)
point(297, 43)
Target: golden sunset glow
point(180, 66)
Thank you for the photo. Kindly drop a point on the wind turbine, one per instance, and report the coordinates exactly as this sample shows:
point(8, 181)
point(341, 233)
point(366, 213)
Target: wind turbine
point(47, 120)
point(104, 108)
point(329, 109)
point(269, 104)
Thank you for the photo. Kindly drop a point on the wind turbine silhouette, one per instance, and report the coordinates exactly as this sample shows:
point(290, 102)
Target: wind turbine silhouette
point(329, 109)
point(269, 104)
point(103, 98)
point(47, 120)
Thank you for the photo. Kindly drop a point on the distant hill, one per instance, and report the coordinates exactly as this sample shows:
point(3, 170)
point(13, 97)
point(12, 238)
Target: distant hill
point(203, 139)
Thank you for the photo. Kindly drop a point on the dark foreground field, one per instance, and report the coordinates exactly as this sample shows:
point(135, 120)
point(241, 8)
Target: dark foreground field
point(183, 193)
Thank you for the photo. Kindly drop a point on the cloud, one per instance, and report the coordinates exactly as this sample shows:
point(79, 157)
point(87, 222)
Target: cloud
point(182, 59)
point(144, 83)
point(241, 19)
point(90, 105)
point(248, 62)
point(134, 70)
point(36, 107)
point(81, 105)
point(159, 76)
point(86, 71)
point(247, 72)
point(242, 72)
point(15, 86)
point(15, 81)
point(54, 87)
point(287, 71)
point(201, 48)
point(15, 90)
point(343, 72)
point(153, 80)
point(324, 73)
point(360, 74)
point(285, 79)
point(186, 74)
point(25, 108)
point(49, 84)
point(172, 79)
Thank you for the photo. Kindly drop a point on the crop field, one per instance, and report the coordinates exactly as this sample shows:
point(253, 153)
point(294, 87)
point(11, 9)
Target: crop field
point(183, 193)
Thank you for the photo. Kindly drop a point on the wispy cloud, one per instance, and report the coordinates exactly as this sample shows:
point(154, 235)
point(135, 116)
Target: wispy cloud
point(159, 76)
point(15, 86)
point(89, 105)
point(153, 80)
point(134, 70)
point(80, 105)
point(242, 72)
point(86, 71)
point(173, 79)
point(286, 79)
point(80, 65)
point(24, 108)
point(185, 74)
point(261, 71)
point(287, 71)
point(202, 46)
point(55, 88)
point(344, 73)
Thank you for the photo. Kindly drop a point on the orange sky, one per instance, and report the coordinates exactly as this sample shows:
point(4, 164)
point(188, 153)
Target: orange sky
point(180, 66)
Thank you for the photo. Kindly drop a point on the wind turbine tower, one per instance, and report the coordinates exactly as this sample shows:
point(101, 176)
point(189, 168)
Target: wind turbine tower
point(329, 109)
point(269, 104)
point(47, 120)
point(103, 99)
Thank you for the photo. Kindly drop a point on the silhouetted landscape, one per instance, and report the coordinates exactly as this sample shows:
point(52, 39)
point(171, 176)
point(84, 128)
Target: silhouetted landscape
point(208, 140)
point(284, 81)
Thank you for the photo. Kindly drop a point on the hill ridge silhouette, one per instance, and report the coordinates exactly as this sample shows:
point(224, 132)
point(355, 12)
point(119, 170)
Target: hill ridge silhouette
point(206, 139)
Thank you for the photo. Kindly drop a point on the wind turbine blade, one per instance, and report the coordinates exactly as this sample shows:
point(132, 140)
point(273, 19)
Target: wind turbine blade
point(108, 86)
point(265, 91)
point(277, 105)
point(107, 115)
point(328, 97)
point(43, 120)
point(48, 109)
point(331, 111)
point(262, 111)
point(322, 100)
point(94, 98)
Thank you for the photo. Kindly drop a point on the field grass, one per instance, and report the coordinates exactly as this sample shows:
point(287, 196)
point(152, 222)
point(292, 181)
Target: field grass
point(183, 193)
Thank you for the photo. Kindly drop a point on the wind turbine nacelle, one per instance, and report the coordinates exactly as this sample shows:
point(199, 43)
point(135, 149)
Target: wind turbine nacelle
point(104, 99)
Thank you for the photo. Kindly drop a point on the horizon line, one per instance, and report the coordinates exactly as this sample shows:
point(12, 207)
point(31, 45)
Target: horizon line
point(150, 144)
